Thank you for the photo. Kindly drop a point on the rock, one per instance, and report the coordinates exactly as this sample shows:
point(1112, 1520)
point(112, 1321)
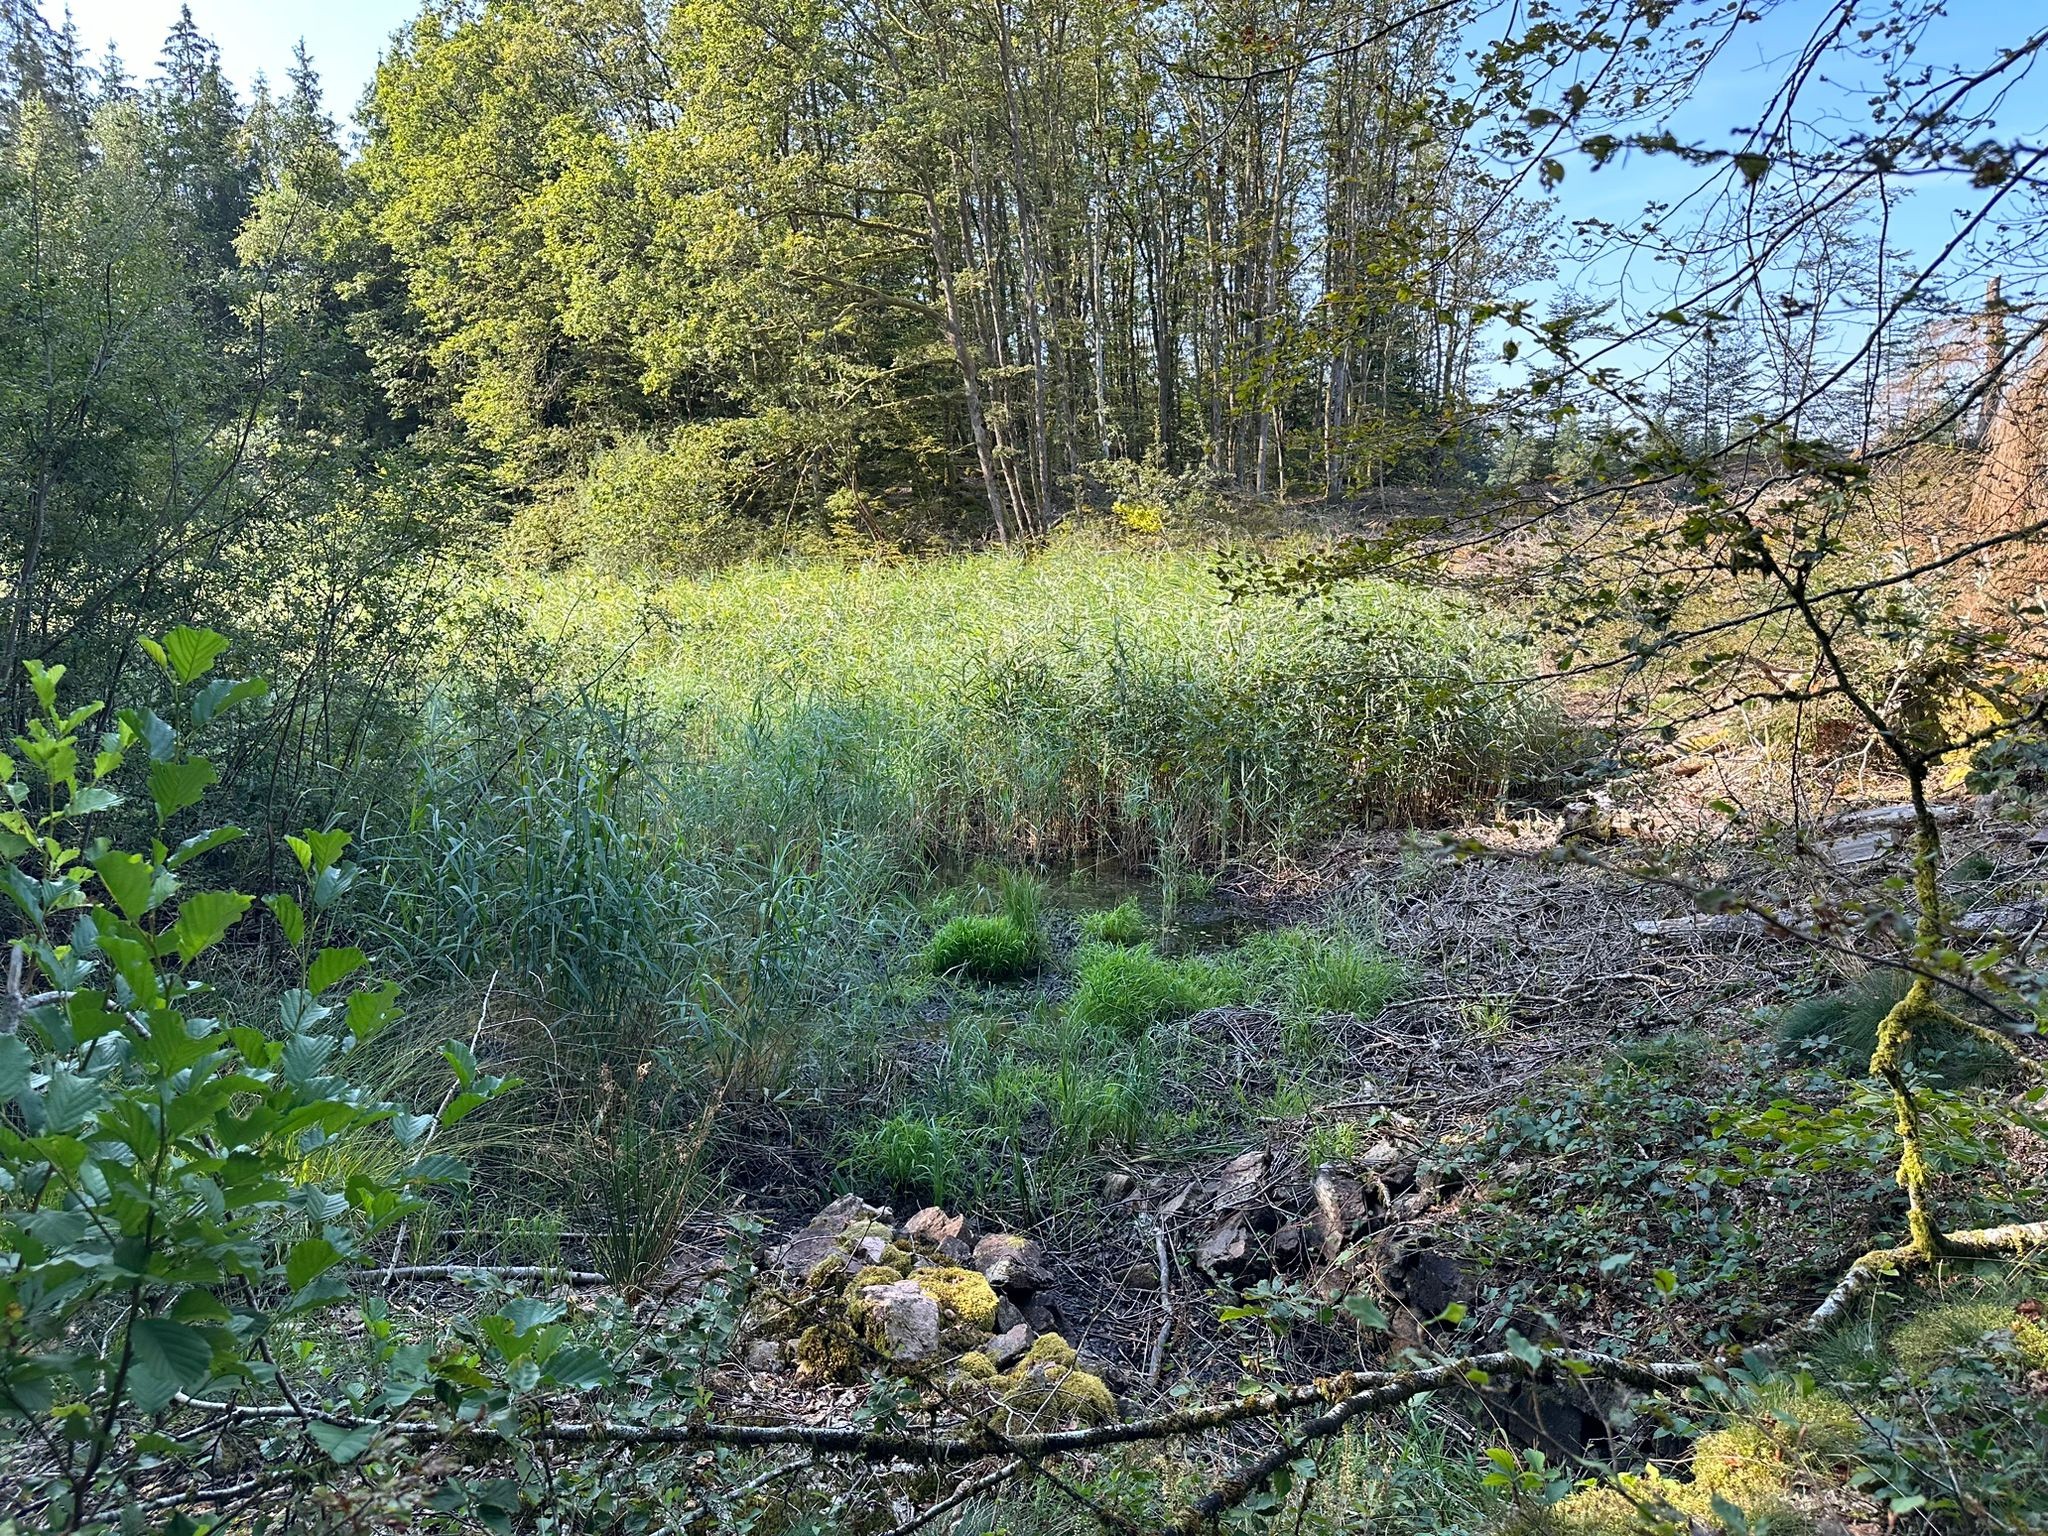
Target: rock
point(1228, 1253)
point(1429, 1281)
point(1141, 1276)
point(863, 1251)
point(1045, 1314)
point(1341, 1209)
point(800, 1255)
point(1008, 1347)
point(903, 1322)
point(1243, 1184)
point(1013, 1264)
point(933, 1228)
point(1008, 1314)
point(764, 1355)
point(1117, 1188)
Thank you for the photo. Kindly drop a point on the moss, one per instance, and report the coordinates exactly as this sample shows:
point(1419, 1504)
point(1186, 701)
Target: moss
point(2030, 1338)
point(1045, 1388)
point(1934, 1336)
point(826, 1353)
point(899, 1259)
point(963, 1295)
point(858, 1230)
point(827, 1271)
point(1039, 1396)
point(1620, 1509)
point(1046, 1349)
point(976, 1366)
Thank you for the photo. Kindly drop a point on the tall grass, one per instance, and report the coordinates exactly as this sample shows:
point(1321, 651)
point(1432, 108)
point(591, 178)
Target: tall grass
point(1079, 699)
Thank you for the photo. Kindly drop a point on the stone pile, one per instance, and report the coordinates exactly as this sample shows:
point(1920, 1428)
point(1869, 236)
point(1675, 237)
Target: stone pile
point(1258, 1223)
point(973, 1314)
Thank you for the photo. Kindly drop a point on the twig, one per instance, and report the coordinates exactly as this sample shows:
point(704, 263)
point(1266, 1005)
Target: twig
point(1156, 1360)
point(974, 1487)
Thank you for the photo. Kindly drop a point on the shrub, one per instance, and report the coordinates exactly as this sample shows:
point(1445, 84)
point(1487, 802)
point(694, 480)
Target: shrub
point(1131, 989)
point(163, 1218)
point(1122, 924)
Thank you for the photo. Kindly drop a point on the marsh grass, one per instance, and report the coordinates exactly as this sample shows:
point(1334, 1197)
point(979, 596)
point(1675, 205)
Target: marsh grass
point(1080, 699)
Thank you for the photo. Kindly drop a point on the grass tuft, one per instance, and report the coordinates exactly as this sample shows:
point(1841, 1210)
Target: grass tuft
point(1131, 989)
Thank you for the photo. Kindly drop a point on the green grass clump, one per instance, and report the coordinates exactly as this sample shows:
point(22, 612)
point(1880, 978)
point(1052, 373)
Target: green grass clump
point(1842, 1025)
point(910, 1153)
point(1122, 924)
point(1130, 989)
point(1314, 971)
point(993, 948)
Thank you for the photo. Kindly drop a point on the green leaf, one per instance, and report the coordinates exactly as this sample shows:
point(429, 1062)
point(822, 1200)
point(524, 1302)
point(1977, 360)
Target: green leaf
point(94, 797)
point(174, 786)
point(579, 1366)
point(342, 1443)
point(187, 654)
point(331, 966)
point(1364, 1311)
point(203, 919)
point(173, 1351)
point(309, 1259)
point(15, 1062)
point(369, 1011)
point(202, 842)
point(152, 731)
point(68, 1100)
point(131, 880)
point(221, 695)
point(290, 917)
point(1666, 1282)
point(1529, 1354)
point(318, 851)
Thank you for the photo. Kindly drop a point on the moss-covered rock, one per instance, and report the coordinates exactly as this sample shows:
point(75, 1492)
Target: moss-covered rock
point(1045, 1396)
point(964, 1296)
point(1045, 1389)
point(828, 1271)
point(827, 1353)
point(1047, 1349)
point(976, 1366)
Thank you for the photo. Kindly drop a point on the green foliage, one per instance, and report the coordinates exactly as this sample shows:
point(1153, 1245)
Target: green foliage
point(1084, 699)
point(913, 1153)
point(1131, 988)
point(985, 948)
point(1841, 1025)
point(1123, 923)
point(1317, 971)
point(164, 1210)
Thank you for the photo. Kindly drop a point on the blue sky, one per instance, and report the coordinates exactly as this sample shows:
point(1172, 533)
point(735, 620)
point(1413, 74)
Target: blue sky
point(255, 36)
